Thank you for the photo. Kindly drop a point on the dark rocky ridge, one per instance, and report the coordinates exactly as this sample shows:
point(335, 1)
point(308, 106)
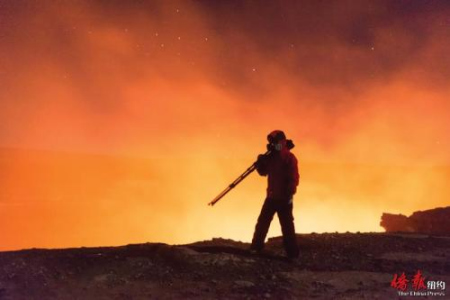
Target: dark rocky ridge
point(331, 266)
point(432, 221)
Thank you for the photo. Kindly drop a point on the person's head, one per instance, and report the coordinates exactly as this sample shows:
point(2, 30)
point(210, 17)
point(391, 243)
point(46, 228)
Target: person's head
point(277, 140)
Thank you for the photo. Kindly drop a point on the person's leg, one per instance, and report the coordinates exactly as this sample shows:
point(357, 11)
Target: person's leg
point(263, 224)
point(287, 227)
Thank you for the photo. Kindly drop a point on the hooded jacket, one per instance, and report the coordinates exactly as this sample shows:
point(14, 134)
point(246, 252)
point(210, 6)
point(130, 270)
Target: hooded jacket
point(281, 167)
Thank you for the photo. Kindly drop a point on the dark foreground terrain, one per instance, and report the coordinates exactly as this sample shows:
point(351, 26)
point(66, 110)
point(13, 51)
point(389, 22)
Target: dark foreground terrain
point(331, 266)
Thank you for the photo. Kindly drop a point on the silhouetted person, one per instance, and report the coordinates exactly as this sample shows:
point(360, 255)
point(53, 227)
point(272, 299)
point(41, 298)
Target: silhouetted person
point(281, 168)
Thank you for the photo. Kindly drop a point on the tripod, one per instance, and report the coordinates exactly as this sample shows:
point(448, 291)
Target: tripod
point(236, 182)
point(247, 172)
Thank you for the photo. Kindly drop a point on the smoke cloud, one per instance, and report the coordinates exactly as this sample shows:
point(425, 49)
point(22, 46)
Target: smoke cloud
point(179, 96)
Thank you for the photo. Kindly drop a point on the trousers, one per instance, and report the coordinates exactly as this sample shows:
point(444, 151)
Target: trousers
point(284, 212)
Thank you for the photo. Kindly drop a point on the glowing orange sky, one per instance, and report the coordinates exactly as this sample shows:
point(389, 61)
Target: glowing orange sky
point(144, 111)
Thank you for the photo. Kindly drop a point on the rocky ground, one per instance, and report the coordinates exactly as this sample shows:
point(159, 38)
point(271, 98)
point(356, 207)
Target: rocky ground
point(331, 266)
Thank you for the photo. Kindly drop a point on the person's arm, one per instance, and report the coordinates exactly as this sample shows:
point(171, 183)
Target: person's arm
point(262, 164)
point(294, 176)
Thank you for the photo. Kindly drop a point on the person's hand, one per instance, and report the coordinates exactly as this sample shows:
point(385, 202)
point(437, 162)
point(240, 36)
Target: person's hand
point(289, 197)
point(260, 160)
point(261, 156)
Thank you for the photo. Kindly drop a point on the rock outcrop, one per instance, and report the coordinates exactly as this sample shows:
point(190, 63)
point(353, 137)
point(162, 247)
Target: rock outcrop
point(432, 221)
